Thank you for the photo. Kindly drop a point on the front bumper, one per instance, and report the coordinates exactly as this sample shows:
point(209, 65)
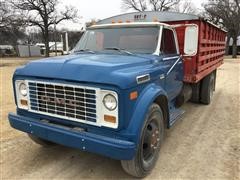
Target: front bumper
point(86, 141)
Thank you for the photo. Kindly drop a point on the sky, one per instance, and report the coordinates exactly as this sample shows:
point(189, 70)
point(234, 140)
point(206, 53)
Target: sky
point(98, 9)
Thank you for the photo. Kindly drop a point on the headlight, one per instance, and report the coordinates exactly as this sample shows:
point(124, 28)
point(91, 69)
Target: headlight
point(23, 89)
point(21, 94)
point(110, 102)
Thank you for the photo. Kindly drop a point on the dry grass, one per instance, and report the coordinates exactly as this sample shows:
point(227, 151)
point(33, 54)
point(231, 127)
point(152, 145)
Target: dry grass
point(7, 68)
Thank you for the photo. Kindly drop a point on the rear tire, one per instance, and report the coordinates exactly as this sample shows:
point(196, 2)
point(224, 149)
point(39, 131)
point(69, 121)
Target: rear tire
point(40, 141)
point(195, 93)
point(152, 135)
point(208, 86)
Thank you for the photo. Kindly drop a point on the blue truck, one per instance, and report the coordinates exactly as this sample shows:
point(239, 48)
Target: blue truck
point(121, 87)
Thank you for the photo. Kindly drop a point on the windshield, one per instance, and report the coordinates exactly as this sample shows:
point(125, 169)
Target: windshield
point(131, 39)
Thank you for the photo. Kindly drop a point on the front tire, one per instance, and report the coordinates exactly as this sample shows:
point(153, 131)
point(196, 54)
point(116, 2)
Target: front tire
point(152, 135)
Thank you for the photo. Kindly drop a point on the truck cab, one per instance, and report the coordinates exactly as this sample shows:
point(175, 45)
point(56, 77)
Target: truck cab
point(115, 94)
point(154, 43)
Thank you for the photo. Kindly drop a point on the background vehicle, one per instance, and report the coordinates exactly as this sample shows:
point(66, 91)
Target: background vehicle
point(121, 87)
point(7, 50)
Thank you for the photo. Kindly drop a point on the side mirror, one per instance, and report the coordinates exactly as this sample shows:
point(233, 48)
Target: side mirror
point(191, 40)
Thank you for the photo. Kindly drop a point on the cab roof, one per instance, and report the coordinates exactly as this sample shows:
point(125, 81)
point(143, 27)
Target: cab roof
point(149, 16)
point(134, 24)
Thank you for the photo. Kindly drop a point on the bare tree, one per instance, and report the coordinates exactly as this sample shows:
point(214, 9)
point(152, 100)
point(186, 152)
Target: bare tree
point(4, 15)
point(137, 5)
point(11, 24)
point(153, 5)
point(227, 14)
point(186, 6)
point(163, 5)
point(8, 17)
point(91, 22)
point(44, 14)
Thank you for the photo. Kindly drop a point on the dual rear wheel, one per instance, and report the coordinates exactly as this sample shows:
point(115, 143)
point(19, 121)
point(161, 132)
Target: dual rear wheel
point(207, 88)
point(202, 92)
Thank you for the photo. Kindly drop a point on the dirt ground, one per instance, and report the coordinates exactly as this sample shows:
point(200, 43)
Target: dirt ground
point(204, 144)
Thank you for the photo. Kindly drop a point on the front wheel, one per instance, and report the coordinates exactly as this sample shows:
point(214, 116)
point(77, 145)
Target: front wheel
point(149, 146)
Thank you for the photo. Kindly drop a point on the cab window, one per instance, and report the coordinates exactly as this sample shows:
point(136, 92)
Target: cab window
point(168, 45)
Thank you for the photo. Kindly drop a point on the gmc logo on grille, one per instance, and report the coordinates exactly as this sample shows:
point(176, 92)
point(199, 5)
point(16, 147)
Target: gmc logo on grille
point(58, 101)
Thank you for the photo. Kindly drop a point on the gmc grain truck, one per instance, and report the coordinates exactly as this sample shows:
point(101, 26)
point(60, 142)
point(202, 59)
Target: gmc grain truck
point(121, 87)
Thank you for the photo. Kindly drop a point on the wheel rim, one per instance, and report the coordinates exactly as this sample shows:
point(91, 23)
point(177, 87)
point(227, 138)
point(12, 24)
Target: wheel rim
point(151, 141)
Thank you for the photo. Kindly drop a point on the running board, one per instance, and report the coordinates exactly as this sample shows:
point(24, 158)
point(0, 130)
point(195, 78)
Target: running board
point(175, 115)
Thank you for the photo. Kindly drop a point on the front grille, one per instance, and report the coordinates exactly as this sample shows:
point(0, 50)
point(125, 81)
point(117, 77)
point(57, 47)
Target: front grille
point(69, 102)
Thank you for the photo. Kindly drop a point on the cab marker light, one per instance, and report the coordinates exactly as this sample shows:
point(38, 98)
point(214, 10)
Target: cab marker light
point(155, 20)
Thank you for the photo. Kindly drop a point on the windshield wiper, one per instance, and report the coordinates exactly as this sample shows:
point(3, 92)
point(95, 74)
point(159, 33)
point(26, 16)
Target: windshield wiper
point(84, 50)
point(118, 49)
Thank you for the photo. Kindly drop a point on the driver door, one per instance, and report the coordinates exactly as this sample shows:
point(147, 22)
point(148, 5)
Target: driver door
point(172, 62)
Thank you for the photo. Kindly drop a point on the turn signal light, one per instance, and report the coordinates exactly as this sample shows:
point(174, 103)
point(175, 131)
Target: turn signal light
point(111, 119)
point(133, 95)
point(24, 102)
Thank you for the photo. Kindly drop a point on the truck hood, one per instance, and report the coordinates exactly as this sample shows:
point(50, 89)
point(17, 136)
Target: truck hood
point(113, 69)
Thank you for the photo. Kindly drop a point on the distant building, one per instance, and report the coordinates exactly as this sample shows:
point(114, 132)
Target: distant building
point(59, 46)
point(42, 48)
point(51, 47)
point(28, 51)
point(238, 45)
